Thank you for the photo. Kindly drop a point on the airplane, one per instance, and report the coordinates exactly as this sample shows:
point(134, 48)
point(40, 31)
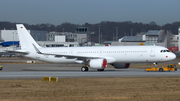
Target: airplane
point(92, 57)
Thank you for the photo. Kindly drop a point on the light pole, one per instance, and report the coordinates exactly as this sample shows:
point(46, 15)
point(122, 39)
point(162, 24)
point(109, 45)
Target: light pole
point(116, 33)
point(99, 34)
point(113, 39)
point(101, 38)
point(13, 40)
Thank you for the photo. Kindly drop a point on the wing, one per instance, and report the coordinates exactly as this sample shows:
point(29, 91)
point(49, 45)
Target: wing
point(76, 57)
point(68, 56)
point(79, 58)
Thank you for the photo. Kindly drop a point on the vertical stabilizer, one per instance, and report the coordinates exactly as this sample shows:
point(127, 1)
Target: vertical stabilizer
point(26, 40)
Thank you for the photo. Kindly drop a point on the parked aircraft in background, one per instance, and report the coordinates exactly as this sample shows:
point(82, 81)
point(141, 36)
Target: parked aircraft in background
point(92, 57)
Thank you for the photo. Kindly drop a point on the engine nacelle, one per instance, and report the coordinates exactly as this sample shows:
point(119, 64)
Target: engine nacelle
point(98, 63)
point(121, 65)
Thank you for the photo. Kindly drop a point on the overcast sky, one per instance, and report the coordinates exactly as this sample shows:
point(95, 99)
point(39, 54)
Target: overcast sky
point(91, 11)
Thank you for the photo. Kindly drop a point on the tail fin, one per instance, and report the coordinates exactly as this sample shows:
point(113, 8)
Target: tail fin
point(26, 40)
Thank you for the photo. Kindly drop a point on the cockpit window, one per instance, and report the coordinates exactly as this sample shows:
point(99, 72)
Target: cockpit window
point(165, 51)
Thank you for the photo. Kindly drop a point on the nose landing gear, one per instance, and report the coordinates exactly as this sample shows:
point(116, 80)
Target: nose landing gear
point(155, 64)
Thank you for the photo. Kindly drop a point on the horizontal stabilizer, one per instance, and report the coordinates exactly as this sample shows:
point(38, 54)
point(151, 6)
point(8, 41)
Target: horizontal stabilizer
point(19, 52)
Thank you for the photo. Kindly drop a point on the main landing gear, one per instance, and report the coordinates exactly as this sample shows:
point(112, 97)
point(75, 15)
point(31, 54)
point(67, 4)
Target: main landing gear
point(84, 68)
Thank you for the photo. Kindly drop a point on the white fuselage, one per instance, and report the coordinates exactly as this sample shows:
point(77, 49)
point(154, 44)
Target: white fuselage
point(113, 54)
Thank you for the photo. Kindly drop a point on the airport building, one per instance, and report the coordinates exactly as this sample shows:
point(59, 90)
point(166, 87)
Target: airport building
point(66, 37)
point(51, 39)
point(152, 37)
point(175, 40)
point(81, 37)
point(11, 35)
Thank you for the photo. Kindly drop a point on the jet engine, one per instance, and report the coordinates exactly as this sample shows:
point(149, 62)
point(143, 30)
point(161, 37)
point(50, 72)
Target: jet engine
point(121, 65)
point(98, 63)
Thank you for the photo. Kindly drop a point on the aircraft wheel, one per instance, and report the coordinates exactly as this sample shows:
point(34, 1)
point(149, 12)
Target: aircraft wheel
point(83, 69)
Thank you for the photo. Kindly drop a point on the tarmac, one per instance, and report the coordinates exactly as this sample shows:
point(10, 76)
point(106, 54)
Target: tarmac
point(39, 70)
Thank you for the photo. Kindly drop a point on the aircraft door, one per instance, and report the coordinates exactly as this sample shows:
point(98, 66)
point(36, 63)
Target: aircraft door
point(100, 52)
point(152, 53)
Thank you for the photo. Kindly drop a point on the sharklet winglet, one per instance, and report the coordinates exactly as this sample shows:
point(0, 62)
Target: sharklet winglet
point(37, 50)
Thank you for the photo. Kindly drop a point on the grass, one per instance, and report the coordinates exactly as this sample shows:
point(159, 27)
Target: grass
point(90, 89)
point(94, 89)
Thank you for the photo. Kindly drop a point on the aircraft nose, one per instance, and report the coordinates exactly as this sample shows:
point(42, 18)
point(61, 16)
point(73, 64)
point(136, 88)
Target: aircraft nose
point(172, 56)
